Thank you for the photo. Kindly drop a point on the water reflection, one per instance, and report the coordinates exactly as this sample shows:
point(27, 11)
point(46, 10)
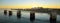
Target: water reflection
point(32, 21)
point(10, 15)
point(52, 20)
point(18, 16)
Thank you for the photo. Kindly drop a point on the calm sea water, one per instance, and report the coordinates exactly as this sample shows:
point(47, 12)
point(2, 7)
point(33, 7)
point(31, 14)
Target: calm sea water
point(25, 17)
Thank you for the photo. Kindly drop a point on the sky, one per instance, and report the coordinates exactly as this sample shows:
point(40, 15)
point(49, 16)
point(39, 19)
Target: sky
point(29, 3)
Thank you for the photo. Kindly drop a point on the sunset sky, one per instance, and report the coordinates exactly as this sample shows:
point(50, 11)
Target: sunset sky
point(29, 3)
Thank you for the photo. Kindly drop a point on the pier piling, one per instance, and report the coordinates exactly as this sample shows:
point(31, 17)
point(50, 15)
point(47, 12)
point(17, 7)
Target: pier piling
point(53, 17)
point(5, 12)
point(10, 12)
point(32, 16)
point(18, 14)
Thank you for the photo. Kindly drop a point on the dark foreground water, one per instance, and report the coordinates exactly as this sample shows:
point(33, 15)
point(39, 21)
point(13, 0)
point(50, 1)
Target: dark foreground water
point(25, 18)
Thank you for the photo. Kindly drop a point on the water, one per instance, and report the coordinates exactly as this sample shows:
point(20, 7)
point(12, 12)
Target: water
point(25, 18)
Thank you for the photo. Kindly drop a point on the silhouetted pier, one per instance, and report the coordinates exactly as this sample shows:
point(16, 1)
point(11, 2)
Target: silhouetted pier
point(53, 14)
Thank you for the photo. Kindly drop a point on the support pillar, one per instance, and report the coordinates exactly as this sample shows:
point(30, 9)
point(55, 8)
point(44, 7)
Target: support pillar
point(18, 14)
point(10, 13)
point(53, 17)
point(5, 12)
point(32, 16)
